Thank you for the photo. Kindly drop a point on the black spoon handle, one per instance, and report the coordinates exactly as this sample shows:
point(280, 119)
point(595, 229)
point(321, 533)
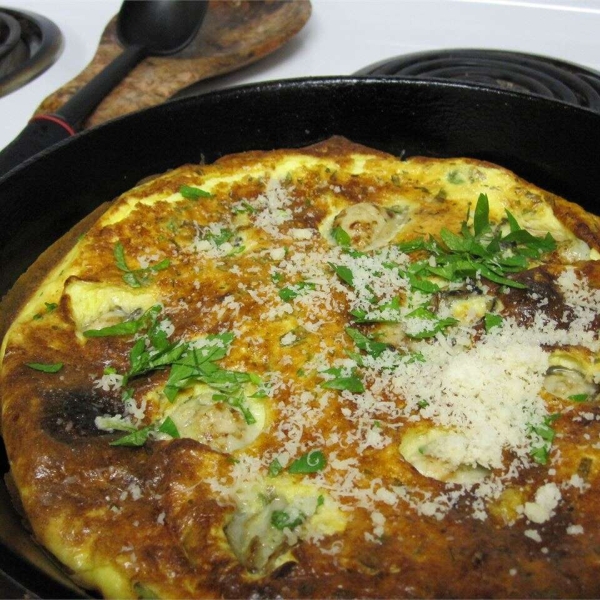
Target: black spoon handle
point(44, 131)
point(75, 110)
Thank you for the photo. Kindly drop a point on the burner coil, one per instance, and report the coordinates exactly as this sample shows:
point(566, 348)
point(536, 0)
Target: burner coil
point(29, 44)
point(538, 75)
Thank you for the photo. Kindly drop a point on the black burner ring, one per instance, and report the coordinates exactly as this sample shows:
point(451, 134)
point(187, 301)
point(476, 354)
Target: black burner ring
point(10, 33)
point(29, 44)
point(539, 75)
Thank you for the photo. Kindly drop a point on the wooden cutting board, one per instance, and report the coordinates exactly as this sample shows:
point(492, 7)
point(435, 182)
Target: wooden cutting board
point(234, 33)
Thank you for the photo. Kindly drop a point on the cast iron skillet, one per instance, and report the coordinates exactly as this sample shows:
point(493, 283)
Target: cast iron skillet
point(551, 144)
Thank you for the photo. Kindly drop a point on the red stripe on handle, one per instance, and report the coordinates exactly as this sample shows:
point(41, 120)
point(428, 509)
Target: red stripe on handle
point(56, 120)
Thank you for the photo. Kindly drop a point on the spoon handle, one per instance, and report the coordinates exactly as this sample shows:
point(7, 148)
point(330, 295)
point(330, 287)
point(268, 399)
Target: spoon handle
point(83, 102)
point(44, 131)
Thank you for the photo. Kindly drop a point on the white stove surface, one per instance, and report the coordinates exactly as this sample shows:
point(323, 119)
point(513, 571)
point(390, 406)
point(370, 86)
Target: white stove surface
point(341, 37)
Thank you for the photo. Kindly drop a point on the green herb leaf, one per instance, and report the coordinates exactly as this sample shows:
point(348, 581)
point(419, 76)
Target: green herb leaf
point(344, 273)
point(132, 280)
point(423, 285)
point(193, 193)
point(142, 361)
point(245, 208)
point(512, 222)
point(287, 294)
point(389, 312)
point(540, 454)
point(351, 383)
point(411, 245)
point(579, 397)
point(479, 253)
point(543, 430)
point(135, 438)
point(365, 343)
point(341, 237)
point(46, 368)
point(311, 462)
point(281, 520)
point(136, 277)
point(168, 426)
point(481, 218)
point(127, 327)
point(275, 468)
point(198, 365)
point(492, 320)
point(437, 325)
point(119, 254)
point(239, 403)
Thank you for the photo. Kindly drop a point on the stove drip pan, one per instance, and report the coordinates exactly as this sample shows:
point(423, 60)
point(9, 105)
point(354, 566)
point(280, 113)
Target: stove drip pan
point(539, 75)
point(29, 44)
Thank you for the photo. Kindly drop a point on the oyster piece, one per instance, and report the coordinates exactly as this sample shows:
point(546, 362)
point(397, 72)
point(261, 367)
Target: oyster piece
point(441, 454)
point(370, 226)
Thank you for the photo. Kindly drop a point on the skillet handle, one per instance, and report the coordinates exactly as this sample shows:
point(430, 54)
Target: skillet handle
point(40, 133)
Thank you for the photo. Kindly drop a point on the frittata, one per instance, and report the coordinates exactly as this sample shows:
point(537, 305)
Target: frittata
point(318, 373)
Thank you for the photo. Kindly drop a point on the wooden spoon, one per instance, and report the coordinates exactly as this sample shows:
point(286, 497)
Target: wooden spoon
point(235, 33)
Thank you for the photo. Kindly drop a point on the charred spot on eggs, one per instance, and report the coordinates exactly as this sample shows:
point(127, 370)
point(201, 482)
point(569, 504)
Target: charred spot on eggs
point(541, 292)
point(69, 415)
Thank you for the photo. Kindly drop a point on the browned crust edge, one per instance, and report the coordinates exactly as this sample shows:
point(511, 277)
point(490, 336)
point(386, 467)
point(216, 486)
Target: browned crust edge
point(20, 293)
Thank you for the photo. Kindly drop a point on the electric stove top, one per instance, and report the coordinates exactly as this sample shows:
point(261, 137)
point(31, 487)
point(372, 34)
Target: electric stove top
point(29, 44)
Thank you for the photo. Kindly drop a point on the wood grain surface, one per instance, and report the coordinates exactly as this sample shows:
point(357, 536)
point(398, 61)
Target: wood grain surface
point(235, 33)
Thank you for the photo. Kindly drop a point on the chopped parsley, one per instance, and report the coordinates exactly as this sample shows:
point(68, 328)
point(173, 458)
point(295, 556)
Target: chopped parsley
point(193, 193)
point(136, 277)
point(351, 382)
point(491, 320)
point(275, 468)
point(281, 520)
point(480, 252)
point(239, 403)
point(344, 273)
point(546, 434)
point(311, 462)
point(197, 365)
point(387, 312)
point(341, 237)
point(138, 437)
point(46, 368)
point(370, 346)
point(579, 397)
point(50, 307)
point(127, 327)
point(430, 323)
point(188, 364)
point(224, 235)
point(287, 294)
